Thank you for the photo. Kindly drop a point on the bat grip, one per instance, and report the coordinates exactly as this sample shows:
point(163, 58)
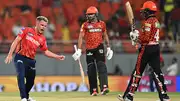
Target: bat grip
point(133, 25)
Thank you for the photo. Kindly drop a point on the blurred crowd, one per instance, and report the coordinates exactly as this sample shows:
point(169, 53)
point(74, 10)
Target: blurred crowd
point(66, 17)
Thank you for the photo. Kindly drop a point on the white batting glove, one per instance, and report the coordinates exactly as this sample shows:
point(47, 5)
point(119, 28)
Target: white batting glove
point(134, 36)
point(77, 54)
point(109, 53)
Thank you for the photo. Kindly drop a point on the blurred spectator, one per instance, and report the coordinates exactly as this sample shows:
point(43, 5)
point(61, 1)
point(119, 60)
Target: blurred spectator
point(46, 3)
point(57, 3)
point(175, 18)
point(48, 33)
point(173, 68)
point(16, 28)
point(167, 45)
point(24, 8)
point(168, 7)
point(118, 70)
point(65, 34)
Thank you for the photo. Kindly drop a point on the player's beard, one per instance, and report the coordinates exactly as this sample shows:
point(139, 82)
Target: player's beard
point(91, 18)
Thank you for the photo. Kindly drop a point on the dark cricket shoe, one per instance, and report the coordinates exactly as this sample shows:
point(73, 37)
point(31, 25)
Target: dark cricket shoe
point(128, 98)
point(166, 97)
point(120, 97)
point(105, 91)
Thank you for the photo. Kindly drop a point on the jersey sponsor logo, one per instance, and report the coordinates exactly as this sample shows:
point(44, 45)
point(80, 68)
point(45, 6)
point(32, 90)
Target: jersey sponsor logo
point(147, 29)
point(157, 25)
point(90, 26)
point(101, 51)
point(30, 34)
point(32, 40)
point(95, 30)
point(89, 54)
point(20, 61)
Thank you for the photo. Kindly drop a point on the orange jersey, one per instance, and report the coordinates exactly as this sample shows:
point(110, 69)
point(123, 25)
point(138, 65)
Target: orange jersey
point(93, 33)
point(30, 42)
point(150, 31)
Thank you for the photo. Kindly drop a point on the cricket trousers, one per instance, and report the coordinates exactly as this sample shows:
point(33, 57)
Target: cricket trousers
point(96, 67)
point(25, 68)
point(148, 54)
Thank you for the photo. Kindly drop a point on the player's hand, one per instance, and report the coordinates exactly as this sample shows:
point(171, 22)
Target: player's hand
point(134, 35)
point(8, 59)
point(77, 54)
point(60, 57)
point(109, 53)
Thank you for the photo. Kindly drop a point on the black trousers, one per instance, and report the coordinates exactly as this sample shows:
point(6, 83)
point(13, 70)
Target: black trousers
point(25, 68)
point(149, 54)
point(95, 59)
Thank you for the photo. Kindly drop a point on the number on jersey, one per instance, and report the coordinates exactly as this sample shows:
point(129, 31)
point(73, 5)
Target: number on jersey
point(157, 36)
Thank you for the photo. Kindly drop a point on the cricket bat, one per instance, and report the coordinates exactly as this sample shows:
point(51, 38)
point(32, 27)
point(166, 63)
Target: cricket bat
point(130, 17)
point(81, 68)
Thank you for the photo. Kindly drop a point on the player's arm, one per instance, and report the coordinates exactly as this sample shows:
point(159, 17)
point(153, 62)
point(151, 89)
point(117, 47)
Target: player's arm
point(80, 40)
point(50, 54)
point(78, 53)
point(106, 38)
point(21, 34)
point(81, 36)
point(109, 53)
point(53, 55)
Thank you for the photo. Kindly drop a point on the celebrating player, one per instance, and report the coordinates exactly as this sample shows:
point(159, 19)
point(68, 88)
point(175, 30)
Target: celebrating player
point(26, 44)
point(149, 53)
point(93, 31)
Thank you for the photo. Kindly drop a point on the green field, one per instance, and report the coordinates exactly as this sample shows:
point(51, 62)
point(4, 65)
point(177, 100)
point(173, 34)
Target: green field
point(80, 96)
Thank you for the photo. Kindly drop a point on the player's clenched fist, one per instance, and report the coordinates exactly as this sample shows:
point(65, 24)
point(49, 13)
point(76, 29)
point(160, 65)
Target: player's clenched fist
point(8, 59)
point(60, 57)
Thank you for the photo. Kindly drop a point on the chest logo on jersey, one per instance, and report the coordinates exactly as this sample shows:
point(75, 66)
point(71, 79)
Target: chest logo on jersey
point(30, 34)
point(95, 30)
point(32, 40)
point(89, 26)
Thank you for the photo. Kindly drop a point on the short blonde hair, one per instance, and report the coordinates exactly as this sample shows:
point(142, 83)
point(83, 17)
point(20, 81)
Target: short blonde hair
point(39, 18)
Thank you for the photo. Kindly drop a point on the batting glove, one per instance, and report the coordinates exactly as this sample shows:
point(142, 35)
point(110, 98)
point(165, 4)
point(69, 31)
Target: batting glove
point(77, 54)
point(109, 53)
point(134, 36)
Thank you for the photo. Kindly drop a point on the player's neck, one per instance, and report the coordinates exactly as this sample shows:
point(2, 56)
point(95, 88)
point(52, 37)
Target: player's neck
point(36, 30)
point(95, 20)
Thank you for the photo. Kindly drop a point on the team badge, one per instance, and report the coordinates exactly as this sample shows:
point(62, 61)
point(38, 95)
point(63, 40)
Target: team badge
point(101, 51)
point(89, 26)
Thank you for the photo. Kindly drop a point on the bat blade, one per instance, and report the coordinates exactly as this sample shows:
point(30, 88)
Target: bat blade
point(130, 15)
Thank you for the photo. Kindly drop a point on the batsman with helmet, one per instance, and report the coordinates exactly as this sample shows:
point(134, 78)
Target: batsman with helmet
point(94, 32)
point(149, 53)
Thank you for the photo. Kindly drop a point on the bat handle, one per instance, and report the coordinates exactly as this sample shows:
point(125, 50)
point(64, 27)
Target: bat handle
point(133, 25)
point(75, 47)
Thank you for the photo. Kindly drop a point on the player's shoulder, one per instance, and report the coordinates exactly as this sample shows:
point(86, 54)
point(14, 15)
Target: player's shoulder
point(101, 21)
point(152, 20)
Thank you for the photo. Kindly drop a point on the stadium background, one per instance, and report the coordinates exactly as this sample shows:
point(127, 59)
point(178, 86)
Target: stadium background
point(65, 17)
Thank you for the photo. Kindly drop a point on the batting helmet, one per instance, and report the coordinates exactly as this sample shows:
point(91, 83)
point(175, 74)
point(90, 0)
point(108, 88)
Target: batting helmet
point(149, 5)
point(92, 10)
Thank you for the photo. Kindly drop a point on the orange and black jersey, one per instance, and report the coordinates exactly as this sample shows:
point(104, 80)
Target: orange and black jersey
point(150, 31)
point(93, 33)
